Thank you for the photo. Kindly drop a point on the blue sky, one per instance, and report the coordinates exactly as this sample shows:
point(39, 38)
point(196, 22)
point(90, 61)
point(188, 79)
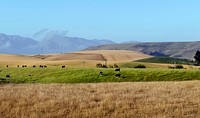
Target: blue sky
point(117, 20)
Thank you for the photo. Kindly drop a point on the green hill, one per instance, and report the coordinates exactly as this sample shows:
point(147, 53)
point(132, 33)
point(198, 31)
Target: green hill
point(164, 59)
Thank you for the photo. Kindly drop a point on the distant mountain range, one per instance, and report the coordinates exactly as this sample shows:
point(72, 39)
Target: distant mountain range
point(184, 50)
point(53, 43)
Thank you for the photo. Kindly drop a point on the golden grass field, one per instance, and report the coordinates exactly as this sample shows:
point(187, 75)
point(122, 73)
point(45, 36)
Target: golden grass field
point(75, 59)
point(108, 100)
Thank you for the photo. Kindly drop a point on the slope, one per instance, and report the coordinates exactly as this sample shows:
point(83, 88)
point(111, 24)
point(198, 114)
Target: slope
point(74, 59)
point(173, 49)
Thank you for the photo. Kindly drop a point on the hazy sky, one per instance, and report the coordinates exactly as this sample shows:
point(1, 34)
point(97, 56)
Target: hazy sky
point(117, 20)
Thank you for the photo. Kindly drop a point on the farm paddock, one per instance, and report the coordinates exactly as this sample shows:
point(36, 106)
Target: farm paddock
point(125, 99)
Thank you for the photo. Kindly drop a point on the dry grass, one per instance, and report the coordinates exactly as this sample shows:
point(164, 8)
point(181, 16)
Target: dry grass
point(119, 100)
point(74, 59)
point(118, 55)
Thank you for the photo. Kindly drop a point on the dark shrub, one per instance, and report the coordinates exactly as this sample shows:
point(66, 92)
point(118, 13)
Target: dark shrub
point(99, 65)
point(116, 66)
point(179, 66)
point(104, 66)
point(110, 66)
point(197, 57)
point(171, 67)
point(140, 66)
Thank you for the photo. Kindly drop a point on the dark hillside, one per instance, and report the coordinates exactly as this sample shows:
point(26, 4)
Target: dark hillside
point(184, 50)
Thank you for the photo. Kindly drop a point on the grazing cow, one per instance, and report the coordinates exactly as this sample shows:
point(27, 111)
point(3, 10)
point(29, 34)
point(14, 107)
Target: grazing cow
point(63, 66)
point(7, 76)
point(117, 70)
point(45, 66)
point(101, 73)
point(34, 66)
point(30, 75)
point(41, 66)
point(7, 66)
point(117, 75)
point(24, 66)
point(18, 66)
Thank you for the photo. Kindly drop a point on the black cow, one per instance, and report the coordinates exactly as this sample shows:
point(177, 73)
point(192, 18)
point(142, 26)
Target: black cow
point(45, 66)
point(41, 66)
point(117, 75)
point(34, 66)
point(101, 73)
point(7, 76)
point(63, 66)
point(30, 75)
point(24, 66)
point(117, 70)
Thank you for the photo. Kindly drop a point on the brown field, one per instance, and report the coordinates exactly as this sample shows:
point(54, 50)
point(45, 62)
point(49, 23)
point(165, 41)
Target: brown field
point(118, 55)
point(116, 100)
point(75, 59)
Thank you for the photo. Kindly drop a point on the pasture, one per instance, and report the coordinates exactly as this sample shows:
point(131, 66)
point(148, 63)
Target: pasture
point(91, 75)
point(165, 59)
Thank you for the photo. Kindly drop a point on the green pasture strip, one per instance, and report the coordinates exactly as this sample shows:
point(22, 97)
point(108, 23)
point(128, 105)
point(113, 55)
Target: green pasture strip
point(162, 59)
point(86, 75)
point(148, 65)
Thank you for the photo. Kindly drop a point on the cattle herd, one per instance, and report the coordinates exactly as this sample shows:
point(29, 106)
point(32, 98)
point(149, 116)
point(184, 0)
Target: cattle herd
point(40, 66)
point(117, 74)
point(117, 71)
point(34, 66)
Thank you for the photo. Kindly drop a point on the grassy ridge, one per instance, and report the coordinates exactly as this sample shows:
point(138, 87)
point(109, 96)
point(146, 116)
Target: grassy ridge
point(85, 75)
point(162, 59)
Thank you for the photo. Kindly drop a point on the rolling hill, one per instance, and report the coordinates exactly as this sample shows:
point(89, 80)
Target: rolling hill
point(101, 55)
point(118, 55)
point(184, 50)
point(74, 59)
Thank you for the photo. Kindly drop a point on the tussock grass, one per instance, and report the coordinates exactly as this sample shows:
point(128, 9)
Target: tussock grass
point(117, 100)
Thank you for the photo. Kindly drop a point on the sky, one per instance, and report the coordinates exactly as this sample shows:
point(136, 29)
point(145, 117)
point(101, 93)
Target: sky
point(117, 20)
